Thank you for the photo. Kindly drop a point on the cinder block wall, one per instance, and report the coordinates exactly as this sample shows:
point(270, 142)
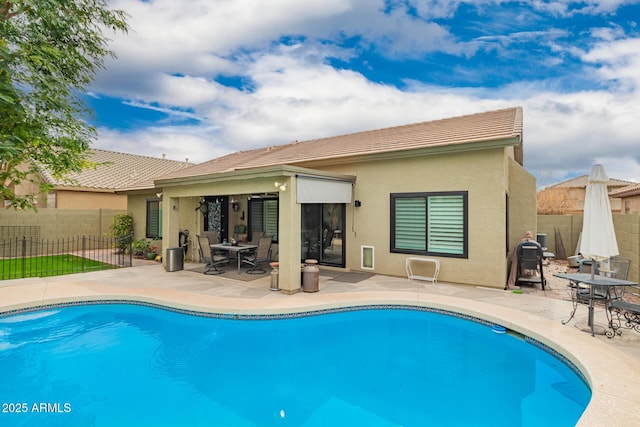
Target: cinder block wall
point(627, 228)
point(628, 236)
point(54, 224)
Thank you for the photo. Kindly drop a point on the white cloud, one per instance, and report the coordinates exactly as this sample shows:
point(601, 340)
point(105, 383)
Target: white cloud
point(193, 143)
point(177, 48)
point(585, 7)
point(620, 61)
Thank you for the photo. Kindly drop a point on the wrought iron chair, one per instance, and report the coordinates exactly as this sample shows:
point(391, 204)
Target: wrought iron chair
point(213, 261)
point(261, 255)
point(624, 312)
point(615, 267)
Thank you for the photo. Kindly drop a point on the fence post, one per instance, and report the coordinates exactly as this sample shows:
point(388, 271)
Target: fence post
point(24, 257)
point(84, 247)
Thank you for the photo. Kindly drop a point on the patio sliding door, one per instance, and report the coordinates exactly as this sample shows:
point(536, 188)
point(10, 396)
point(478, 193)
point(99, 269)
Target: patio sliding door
point(323, 233)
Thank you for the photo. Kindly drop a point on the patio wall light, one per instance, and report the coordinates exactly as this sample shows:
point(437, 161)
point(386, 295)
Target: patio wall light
point(281, 185)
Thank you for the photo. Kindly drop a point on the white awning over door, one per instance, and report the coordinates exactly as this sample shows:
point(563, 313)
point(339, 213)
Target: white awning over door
point(317, 189)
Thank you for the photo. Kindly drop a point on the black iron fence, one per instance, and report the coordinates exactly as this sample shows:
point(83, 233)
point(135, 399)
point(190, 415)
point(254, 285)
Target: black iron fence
point(22, 257)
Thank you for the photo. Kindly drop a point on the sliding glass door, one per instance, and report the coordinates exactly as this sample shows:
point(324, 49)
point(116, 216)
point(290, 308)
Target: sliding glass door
point(323, 233)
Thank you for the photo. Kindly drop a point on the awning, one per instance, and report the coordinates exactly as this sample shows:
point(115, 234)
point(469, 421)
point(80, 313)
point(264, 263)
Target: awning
point(318, 189)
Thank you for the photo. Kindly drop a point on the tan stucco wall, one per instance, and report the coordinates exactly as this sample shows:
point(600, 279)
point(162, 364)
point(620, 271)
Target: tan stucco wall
point(482, 173)
point(137, 206)
point(630, 204)
point(485, 174)
point(522, 203)
point(27, 187)
point(89, 200)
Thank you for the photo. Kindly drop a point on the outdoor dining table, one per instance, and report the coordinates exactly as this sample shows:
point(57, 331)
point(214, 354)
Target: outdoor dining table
point(238, 249)
point(592, 281)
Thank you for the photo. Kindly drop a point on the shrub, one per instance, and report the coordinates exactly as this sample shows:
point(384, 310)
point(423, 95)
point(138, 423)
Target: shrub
point(122, 229)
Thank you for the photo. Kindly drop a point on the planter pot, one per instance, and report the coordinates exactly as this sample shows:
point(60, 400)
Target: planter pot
point(151, 255)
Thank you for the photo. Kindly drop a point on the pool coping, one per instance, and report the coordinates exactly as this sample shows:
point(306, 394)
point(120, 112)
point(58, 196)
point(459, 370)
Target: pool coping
point(613, 376)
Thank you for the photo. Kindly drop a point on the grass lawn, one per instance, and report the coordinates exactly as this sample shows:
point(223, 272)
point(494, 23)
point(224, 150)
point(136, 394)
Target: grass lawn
point(52, 265)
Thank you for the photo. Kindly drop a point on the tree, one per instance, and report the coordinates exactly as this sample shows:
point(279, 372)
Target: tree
point(50, 51)
point(553, 201)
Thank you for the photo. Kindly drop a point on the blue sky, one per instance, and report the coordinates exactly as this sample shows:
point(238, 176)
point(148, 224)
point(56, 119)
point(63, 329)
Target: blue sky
point(199, 79)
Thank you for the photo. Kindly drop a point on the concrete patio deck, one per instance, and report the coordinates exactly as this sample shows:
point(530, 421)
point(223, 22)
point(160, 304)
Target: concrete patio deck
point(610, 365)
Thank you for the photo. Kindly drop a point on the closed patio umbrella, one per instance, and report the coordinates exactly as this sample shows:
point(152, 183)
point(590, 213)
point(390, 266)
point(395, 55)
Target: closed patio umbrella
point(598, 235)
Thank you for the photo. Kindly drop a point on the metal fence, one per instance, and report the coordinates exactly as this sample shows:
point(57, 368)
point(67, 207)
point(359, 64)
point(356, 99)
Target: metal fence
point(22, 257)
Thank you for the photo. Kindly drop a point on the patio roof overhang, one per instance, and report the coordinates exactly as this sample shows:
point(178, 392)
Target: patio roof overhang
point(255, 173)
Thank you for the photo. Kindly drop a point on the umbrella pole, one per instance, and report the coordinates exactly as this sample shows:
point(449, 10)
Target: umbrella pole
point(593, 272)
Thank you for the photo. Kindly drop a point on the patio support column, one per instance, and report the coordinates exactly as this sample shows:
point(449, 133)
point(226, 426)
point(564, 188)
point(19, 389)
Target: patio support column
point(289, 239)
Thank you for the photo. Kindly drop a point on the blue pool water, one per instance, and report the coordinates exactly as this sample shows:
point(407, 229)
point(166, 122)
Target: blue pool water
point(133, 365)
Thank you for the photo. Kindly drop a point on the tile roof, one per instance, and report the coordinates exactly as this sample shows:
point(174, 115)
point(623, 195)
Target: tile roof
point(629, 190)
point(581, 182)
point(489, 126)
point(119, 170)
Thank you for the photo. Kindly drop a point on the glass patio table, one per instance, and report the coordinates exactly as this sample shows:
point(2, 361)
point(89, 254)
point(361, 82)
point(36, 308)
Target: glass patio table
point(237, 249)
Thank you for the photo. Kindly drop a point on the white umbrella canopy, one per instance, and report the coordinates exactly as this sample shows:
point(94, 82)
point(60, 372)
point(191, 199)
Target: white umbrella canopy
point(598, 235)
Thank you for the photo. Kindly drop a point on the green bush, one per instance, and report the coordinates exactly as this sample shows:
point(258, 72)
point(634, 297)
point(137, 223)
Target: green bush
point(122, 229)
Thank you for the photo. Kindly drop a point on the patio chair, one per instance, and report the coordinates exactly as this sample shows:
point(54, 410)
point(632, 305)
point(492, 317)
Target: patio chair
point(617, 267)
point(261, 255)
point(213, 261)
point(255, 237)
point(530, 271)
point(624, 312)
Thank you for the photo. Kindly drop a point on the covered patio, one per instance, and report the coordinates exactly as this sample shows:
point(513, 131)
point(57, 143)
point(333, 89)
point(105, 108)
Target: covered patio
point(284, 202)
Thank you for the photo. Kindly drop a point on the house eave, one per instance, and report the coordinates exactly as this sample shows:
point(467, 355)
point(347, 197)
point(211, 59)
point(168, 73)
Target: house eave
point(425, 151)
point(249, 174)
point(623, 194)
point(84, 189)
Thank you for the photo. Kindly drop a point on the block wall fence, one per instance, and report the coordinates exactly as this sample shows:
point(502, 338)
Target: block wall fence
point(563, 231)
point(55, 224)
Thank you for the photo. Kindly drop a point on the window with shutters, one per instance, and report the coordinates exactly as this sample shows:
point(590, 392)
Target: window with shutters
point(263, 217)
point(154, 218)
point(429, 223)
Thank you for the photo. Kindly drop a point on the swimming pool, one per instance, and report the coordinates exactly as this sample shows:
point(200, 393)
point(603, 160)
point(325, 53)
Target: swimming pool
point(124, 364)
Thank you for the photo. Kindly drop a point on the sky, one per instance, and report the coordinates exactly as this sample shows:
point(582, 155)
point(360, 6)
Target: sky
point(199, 79)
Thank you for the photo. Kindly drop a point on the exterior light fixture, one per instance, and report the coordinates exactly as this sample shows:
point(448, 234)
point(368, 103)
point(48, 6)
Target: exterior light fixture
point(281, 185)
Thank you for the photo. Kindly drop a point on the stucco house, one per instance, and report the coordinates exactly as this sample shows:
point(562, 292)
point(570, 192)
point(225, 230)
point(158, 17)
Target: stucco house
point(453, 189)
point(95, 187)
point(567, 197)
point(628, 197)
